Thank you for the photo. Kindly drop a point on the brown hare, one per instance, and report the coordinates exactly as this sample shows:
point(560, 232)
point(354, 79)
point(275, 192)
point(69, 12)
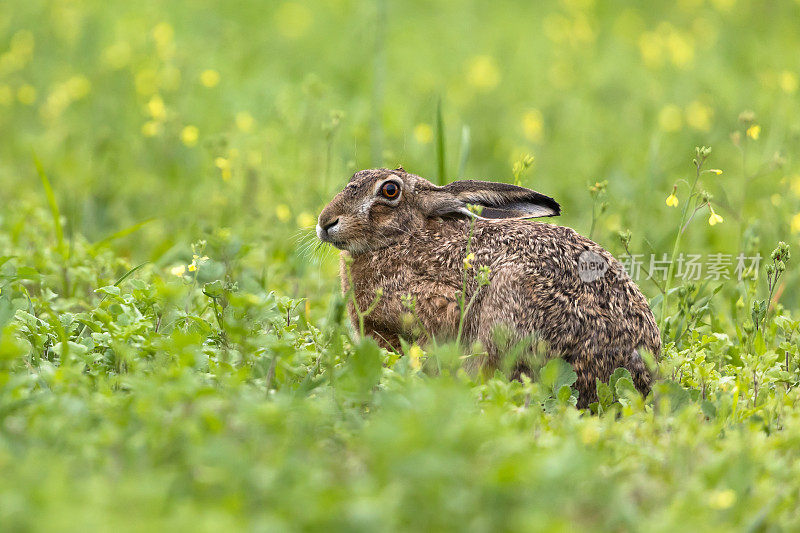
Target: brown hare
point(408, 240)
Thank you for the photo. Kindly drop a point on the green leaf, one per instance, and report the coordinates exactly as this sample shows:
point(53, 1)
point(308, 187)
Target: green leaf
point(362, 371)
point(556, 374)
point(54, 211)
point(605, 396)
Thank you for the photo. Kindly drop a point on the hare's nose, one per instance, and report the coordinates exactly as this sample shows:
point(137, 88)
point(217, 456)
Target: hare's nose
point(330, 224)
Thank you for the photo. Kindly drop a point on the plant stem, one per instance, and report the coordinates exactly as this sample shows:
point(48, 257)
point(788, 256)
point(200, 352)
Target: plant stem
point(676, 245)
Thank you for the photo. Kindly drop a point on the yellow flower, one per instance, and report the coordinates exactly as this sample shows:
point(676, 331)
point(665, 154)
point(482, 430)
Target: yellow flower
point(714, 219)
point(189, 135)
point(224, 165)
point(482, 73)
point(178, 270)
point(283, 213)
point(163, 33)
point(795, 184)
point(699, 115)
point(26, 94)
point(788, 81)
point(192, 267)
point(754, 131)
point(306, 220)
point(672, 200)
point(670, 119)
point(414, 355)
point(244, 121)
point(151, 128)
point(681, 49)
point(533, 125)
point(423, 133)
point(796, 223)
point(722, 499)
point(715, 171)
point(468, 260)
point(209, 78)
point(156, 108)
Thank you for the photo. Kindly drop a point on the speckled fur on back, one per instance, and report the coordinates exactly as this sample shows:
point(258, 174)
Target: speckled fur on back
point(416, 244)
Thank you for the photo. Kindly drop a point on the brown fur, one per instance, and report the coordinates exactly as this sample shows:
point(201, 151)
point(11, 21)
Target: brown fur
point(416, 246)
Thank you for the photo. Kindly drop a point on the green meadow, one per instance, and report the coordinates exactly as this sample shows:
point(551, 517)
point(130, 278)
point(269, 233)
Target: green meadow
point(174, 347)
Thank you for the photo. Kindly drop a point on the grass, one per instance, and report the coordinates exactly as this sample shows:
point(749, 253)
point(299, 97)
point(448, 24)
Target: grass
point(174, 350)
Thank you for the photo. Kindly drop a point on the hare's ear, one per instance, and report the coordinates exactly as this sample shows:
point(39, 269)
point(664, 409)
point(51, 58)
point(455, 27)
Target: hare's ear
point(499, 200)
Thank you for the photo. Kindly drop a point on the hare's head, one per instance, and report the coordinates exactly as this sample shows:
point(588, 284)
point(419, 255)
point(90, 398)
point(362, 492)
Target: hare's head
point(379, 207)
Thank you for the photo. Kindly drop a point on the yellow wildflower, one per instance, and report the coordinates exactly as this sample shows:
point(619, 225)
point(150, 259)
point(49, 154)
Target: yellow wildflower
point(189, 135)
point(670, 119)
point(788, 81)
point(156, 108)
point(672, 200)
point(795, 184)
point(283, 213)
point(178, 270)
point(722, 499)
point(423, 133)
point(151, 128)
point(224, 165)
point(715, 171)
point(306, 220)
point(754, 131)
point(414, 355)
point(163, 33)
point(483, 73)
point(533, 125)
point(209, 78)
point(714, 219)
point(192, 267)
point(244, 121)
point(796, 223)
point(468, 260)
point(699, 115)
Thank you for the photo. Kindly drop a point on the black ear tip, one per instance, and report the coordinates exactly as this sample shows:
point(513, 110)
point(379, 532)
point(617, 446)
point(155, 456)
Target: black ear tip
point(548, 202)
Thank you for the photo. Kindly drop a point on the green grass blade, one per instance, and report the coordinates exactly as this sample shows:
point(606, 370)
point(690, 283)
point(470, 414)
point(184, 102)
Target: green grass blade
point(466, 142)
point(128, 273)
point(53, 204)
point(122, 233)
point(440, 145)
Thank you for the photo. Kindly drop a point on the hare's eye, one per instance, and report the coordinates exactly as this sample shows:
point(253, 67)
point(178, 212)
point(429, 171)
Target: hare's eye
point(390, 190)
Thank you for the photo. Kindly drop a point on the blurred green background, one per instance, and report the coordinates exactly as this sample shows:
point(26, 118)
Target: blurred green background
point(250, 115)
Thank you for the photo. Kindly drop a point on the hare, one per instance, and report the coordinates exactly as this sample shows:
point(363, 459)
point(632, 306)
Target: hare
point(404, 239)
